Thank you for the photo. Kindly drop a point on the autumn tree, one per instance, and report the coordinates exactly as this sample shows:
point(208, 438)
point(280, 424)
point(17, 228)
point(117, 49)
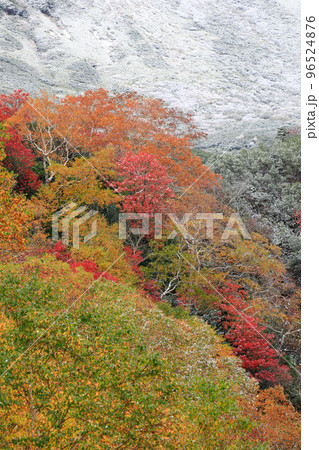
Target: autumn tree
point(60, 129)
point(11, 103)
point(14, 215)
point(279, 422)
point(249, 338)
point(144, 183)
point(19, 159)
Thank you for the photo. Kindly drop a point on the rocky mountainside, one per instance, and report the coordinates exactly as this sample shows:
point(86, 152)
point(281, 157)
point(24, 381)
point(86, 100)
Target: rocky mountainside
point(228, 62)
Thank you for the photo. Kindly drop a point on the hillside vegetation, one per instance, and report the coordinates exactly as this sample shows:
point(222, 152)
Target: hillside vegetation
point(189, 339)
point(263, 185)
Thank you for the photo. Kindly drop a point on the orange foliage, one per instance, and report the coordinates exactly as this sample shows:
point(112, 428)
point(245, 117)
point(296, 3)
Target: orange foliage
point(63, 128)
point(280, 423)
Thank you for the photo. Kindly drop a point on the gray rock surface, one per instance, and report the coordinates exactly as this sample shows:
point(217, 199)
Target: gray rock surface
point(234, 64)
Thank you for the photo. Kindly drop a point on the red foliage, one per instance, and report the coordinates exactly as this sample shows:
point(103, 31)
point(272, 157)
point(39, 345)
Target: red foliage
point(249, 338)
point(59, 251)
point(20, 160)
point(151, 289)
point(144, 183)
point(295, 131)
point(9, 104)
point(134, 257)
point(298, 217)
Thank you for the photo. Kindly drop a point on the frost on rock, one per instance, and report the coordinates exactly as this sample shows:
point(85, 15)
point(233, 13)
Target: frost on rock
point(233, 64)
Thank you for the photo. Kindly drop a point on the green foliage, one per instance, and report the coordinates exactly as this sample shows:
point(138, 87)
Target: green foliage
point(111, 370)
point(177, 312)
point(263, 185)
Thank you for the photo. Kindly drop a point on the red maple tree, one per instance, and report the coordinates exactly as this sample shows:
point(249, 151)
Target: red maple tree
point(19, 158)
point(249, 338)
point(144, 183)
point(135, 257)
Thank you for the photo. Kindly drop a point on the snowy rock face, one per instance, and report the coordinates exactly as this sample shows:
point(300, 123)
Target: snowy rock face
point(234, 64)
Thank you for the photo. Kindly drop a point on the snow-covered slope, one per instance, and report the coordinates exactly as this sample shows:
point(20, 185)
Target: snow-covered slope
point(226, 61)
